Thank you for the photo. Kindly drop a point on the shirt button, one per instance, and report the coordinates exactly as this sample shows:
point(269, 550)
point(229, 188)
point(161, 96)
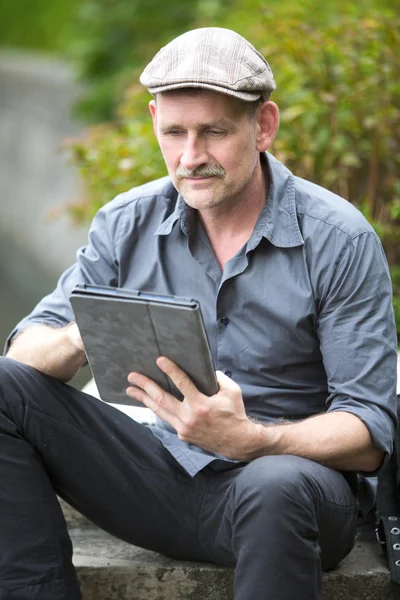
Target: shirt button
point(224, 321)
point(228, 373)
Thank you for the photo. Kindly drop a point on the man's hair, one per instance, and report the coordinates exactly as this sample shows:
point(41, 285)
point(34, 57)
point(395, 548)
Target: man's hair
point(251, 107)
point(241, 106)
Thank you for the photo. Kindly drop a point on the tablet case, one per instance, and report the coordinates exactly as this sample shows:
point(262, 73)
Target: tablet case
point(125, 334)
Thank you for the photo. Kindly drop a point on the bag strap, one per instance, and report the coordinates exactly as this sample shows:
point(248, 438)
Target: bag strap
point(388, 508)
point(388, 535)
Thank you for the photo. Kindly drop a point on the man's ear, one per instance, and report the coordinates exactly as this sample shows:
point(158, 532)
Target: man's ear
point(153, 112)
point(267, 118)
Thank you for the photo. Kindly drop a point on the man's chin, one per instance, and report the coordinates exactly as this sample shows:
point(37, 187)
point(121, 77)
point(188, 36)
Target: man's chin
point(200, 202)
point(199, 199)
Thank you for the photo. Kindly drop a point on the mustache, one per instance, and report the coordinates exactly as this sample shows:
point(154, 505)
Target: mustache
point(200, 171)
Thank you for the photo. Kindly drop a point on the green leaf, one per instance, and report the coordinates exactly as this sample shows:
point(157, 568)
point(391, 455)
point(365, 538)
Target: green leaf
point(291, 113)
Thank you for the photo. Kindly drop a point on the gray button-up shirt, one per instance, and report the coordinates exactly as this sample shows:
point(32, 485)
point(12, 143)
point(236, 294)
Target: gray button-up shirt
point(301, 317)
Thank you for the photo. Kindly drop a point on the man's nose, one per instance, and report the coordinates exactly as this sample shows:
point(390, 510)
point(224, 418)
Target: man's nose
point(194, 154)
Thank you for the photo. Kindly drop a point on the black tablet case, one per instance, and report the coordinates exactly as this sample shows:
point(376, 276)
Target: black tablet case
point(122, 335)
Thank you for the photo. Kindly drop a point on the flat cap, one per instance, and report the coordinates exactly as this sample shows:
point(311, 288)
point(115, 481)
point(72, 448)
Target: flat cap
point(212, 58)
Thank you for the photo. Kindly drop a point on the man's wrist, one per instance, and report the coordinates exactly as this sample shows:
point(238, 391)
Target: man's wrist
point(263, 440)
point(74, 339)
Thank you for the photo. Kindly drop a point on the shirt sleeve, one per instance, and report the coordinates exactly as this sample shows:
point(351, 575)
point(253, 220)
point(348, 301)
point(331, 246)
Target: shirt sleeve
point(96, 263)
point(358, 341)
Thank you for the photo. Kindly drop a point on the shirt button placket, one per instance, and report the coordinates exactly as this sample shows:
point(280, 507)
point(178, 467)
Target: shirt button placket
point(224, 321)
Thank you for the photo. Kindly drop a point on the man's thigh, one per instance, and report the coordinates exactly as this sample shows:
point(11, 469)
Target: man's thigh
point(264, 502)
point(110, 468)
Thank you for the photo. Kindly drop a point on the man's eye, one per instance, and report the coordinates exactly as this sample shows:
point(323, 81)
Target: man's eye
point(173, 132)
point(215, 132)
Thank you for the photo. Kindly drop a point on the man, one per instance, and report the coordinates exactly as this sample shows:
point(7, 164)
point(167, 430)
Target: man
point(296, 298)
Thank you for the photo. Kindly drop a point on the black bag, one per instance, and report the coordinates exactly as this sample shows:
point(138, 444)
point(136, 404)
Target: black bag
point(388, 508)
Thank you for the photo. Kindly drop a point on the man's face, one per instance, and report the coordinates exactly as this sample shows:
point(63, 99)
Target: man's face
point(209, 145)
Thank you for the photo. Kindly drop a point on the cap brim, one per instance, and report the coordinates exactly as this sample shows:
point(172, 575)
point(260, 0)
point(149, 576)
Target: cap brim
point(246, 96)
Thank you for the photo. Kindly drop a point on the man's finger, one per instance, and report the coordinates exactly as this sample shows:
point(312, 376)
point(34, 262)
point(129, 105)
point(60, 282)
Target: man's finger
point(184, 384)
point(160, 411)
point(153, 396)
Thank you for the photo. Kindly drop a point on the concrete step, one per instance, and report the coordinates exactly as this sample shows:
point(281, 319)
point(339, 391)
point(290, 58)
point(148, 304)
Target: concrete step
point(109, 569)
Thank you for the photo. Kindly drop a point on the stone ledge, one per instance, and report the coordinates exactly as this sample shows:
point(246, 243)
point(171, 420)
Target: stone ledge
point(109, 569)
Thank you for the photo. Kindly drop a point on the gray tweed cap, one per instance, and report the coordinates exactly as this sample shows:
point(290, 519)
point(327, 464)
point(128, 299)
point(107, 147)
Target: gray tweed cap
point(212, 58)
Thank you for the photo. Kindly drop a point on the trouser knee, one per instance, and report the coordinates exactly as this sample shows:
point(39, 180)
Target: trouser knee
point(272, 506)
point(19, 383)
point(12, 370)
point(12, 373)
point(278, 484)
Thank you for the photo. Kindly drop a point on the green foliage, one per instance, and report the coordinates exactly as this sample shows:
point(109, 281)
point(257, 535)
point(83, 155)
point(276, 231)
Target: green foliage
point(39, 24)
point(113, 38)
point(110, 158)
point(340, 99)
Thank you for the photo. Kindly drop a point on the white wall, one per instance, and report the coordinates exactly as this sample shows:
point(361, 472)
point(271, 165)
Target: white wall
point(36, 97)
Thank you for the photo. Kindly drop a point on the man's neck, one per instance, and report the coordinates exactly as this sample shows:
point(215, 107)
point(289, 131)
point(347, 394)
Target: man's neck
point(230, 227)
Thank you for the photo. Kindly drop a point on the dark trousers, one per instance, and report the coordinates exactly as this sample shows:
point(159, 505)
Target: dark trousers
point(279, 520)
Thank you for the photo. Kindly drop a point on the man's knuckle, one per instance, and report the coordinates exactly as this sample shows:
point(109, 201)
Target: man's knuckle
point(158, 399)
point(188, 422)
point(183, 432)
point(200, 412)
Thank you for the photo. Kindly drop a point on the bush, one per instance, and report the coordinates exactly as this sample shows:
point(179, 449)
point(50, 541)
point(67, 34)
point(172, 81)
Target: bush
point(339, 95)
point(44, 25)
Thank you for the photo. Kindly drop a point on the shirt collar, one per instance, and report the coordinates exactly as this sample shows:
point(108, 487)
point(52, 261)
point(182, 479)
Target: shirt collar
point(182, 212)
point(277, 221)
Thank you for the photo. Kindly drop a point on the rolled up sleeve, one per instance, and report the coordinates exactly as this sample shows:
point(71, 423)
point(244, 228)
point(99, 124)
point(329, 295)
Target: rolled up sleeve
point(96, 263)
point(358, 341)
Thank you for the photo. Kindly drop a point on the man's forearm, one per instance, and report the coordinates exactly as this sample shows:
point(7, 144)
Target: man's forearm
point(338, 439)
point(55, 351)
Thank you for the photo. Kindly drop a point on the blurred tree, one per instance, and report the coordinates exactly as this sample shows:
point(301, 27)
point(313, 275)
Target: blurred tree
point(44, 25)
point(340, 102)
point(113, 38)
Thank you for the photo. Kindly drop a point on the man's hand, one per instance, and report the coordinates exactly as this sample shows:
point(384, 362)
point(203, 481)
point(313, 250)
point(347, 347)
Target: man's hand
point(219, 424)
point(216, 423)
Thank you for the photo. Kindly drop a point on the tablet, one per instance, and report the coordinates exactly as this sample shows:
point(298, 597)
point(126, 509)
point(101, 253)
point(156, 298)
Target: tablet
point(125, 330)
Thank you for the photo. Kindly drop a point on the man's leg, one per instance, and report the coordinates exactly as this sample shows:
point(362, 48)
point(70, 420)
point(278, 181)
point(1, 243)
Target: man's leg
point(110, 468)
point(282, 520)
